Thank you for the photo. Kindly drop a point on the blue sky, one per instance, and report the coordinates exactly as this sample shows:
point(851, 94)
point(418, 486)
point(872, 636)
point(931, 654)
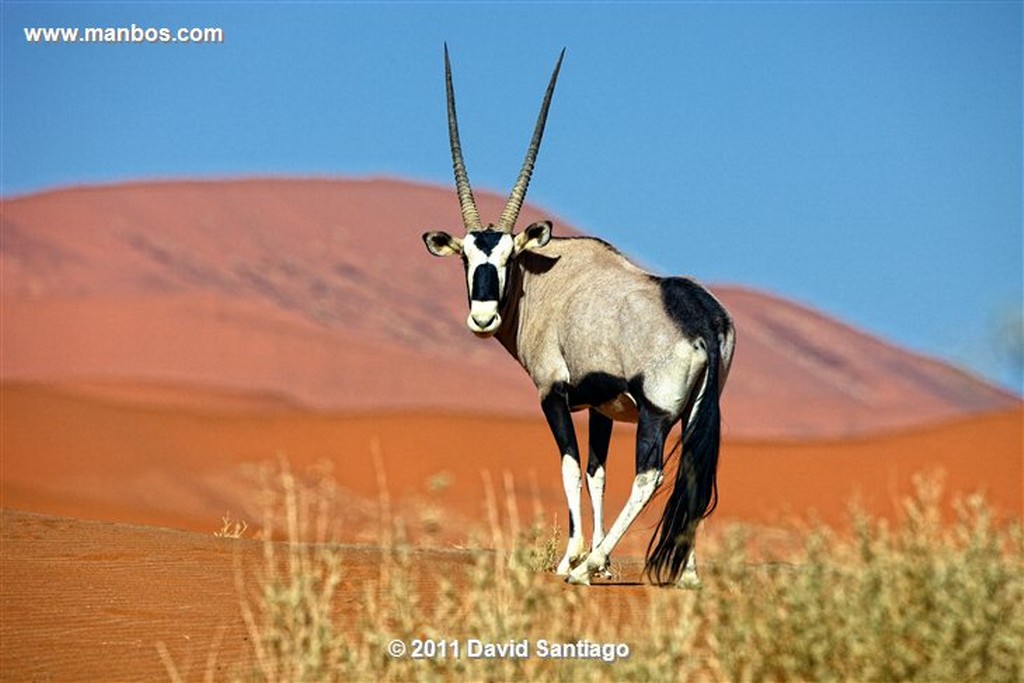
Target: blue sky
point(862, 158)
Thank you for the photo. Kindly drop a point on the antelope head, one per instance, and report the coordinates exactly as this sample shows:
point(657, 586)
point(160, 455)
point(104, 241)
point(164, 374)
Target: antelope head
point(488, 252)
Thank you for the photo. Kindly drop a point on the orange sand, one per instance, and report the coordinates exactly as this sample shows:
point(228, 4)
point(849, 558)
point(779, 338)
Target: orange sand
point(74, 452)
point(91, 600)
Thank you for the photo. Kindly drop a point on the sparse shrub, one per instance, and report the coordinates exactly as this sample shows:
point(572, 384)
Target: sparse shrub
point(924, 601)
point(918, 600)
point(538, 547)
point(291, 610)
point(231, 527)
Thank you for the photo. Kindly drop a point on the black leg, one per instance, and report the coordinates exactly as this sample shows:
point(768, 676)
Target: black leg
point(600, 437)
point(652, 429)
point(556, 409)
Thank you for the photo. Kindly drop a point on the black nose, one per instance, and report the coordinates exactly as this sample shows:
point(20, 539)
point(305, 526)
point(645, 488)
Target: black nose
point(484, 322)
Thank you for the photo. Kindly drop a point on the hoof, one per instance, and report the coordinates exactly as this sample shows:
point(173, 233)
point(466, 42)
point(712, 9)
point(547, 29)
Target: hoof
point(568, 564)
point(689, 581)
point(590, 567)
point(604, 570)
point(578, 578)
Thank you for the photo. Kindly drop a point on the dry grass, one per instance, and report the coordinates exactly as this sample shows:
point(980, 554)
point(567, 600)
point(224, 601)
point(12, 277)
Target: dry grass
point(924, 601)
point(921, 600)
point(231, 527)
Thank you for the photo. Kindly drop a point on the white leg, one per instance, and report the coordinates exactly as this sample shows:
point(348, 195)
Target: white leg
point(644, 485)
point(689, 578)
point(573, 484)
point(595, 486)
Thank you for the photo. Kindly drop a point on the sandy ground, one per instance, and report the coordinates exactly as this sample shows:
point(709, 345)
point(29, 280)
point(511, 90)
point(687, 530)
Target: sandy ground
point(93, 601)
point(89, 600)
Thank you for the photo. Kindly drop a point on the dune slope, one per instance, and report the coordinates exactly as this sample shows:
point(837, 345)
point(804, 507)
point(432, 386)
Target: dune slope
point(319, 294)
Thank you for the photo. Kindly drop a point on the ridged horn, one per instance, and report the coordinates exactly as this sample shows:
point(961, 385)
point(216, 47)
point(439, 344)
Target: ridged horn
point(470, 216)
point(510, 214)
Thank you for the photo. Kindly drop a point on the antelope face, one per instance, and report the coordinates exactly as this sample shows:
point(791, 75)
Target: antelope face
point(488, 253)
point(488, 256)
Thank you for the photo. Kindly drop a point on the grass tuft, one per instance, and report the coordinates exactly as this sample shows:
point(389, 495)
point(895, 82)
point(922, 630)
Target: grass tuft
point(925, 599)
point(231, 527)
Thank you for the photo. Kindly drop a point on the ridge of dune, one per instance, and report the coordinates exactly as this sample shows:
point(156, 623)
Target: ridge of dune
point(280, 287)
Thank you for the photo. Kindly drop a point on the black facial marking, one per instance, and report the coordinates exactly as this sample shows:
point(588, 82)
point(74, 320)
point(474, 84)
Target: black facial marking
point(487, 240)
point(485, 283)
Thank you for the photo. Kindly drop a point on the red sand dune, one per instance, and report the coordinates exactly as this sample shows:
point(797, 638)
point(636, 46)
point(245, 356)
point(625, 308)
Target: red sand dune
point(158, 340)
point(282, 288)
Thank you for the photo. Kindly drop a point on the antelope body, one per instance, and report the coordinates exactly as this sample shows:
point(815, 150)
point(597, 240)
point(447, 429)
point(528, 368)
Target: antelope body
point(596, 332)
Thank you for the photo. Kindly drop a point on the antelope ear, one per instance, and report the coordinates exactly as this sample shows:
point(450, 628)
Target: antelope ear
point(442, 244)
point(534, 237)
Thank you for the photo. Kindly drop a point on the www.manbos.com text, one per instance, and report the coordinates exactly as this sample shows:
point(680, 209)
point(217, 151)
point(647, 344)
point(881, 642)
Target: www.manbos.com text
point(132, 34)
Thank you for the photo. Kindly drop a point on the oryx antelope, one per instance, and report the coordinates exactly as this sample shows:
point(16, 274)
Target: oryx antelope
point(595, 331)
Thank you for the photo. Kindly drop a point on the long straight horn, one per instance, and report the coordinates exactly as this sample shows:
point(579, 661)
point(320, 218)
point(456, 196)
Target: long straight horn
point(470, 216)
point(510, 214)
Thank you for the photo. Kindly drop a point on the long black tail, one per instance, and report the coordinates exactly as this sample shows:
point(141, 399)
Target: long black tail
point(695, 492)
